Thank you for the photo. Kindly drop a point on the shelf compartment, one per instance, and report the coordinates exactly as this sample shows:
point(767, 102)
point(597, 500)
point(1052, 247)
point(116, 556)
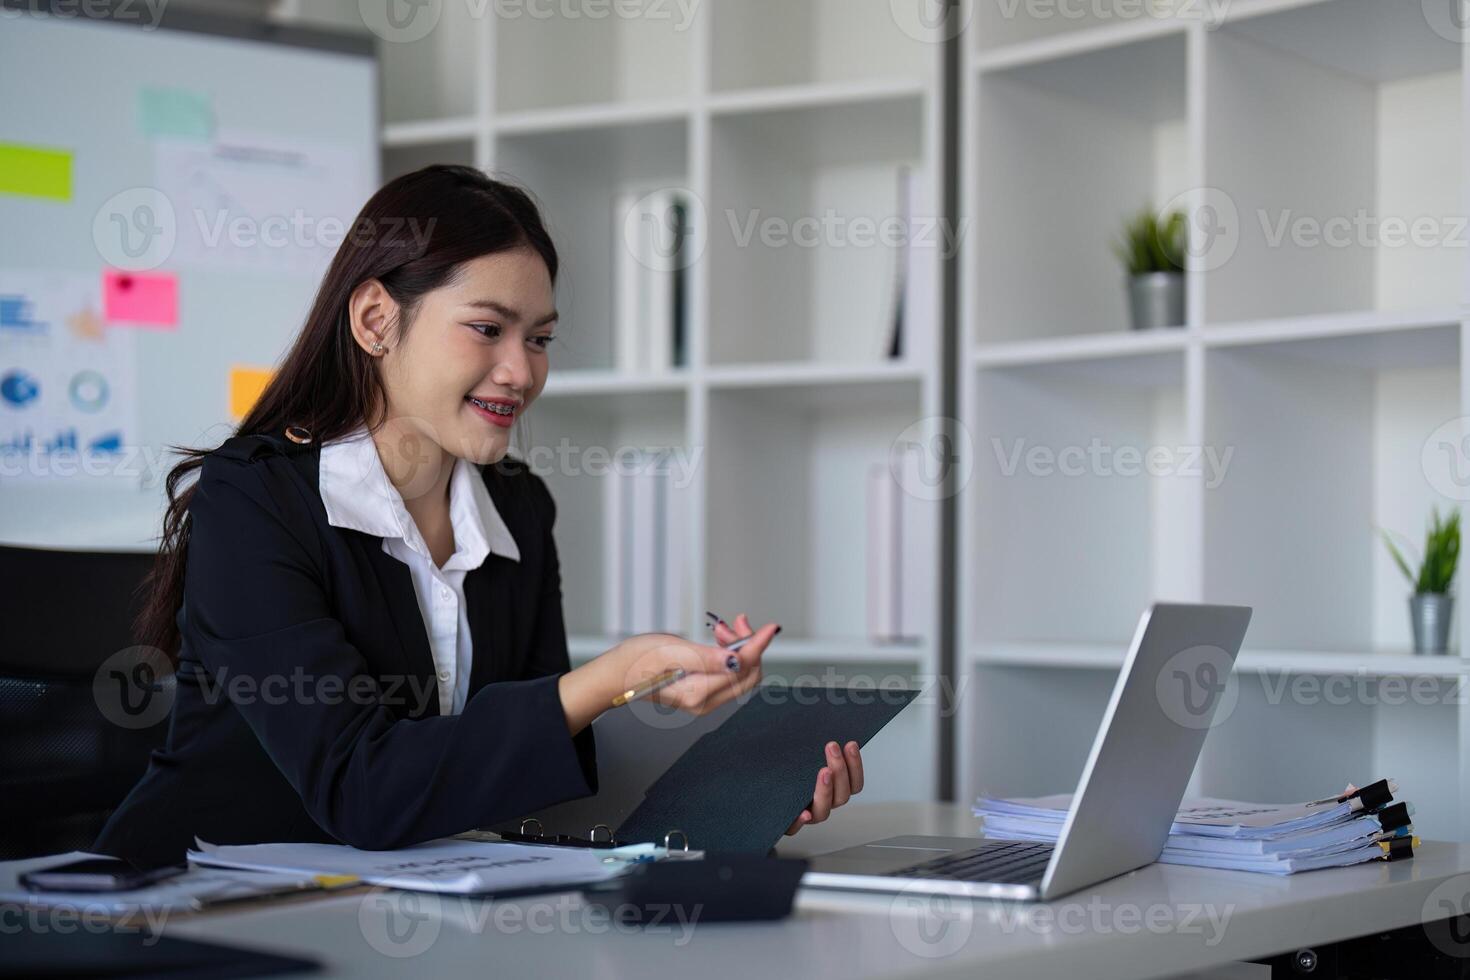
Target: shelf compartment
point(1082, 508)
point(400, 160)
point(1002, 29)
point(788, 470)
point(572, 442)
point(1067, 151)
point(784, 179)
point(1330, 435)
point(1338, 733)
point(760, 43)
point(1332, 143)
point(1031, 728)
point(1028, 732)
point(433, 77)
point(572, 58)
point(577, 176)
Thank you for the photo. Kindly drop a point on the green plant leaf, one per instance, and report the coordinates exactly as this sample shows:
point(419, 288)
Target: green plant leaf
point(1152, 243)
point(1441, 555)
point(1398, 557)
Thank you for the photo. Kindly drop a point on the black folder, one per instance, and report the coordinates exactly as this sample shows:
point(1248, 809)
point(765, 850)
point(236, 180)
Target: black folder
point(741, 785)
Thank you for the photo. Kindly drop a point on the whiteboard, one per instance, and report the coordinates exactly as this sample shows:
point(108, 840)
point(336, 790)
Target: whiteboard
point(117, 339)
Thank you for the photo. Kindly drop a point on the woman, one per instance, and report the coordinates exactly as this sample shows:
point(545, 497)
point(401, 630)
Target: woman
point(361, 590)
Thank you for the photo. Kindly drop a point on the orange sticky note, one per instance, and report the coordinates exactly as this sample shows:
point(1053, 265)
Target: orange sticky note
point(148, 299)
point(246, 386)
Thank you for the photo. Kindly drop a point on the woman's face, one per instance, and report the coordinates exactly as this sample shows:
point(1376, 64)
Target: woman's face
point(474, 357)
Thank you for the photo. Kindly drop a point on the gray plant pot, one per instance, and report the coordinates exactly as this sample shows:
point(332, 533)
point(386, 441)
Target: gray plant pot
point(1430, 615)
point(1156, 300)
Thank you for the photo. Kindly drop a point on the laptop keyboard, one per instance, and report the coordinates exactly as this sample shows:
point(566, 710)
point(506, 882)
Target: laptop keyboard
point(1010, 863)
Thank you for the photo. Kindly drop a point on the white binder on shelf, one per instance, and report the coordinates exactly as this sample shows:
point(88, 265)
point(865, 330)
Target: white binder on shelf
point(917, 553)
point(630, 312)
point(647, 240)
point(884, 557)
point(644, 536)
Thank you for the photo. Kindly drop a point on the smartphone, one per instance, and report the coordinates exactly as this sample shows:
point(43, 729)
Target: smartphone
point(96, 875)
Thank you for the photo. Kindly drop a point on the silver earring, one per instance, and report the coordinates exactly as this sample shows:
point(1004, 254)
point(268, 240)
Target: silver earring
point(377, 347)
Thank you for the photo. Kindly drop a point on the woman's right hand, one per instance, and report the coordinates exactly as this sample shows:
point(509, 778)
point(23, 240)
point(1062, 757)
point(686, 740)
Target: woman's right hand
point(713, 675)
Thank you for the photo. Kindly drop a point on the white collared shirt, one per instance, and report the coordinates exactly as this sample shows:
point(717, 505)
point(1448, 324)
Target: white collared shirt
point(358, 495)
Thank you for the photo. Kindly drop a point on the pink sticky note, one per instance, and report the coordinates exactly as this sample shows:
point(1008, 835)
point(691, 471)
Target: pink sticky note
point(140, 298)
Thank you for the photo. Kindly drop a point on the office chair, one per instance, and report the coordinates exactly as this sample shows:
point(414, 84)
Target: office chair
point(80, 707)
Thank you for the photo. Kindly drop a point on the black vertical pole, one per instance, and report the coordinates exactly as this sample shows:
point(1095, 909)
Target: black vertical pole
point(949, 200)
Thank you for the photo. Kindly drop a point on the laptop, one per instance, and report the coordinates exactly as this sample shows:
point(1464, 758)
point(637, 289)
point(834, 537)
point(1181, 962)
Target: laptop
point(1171, 684)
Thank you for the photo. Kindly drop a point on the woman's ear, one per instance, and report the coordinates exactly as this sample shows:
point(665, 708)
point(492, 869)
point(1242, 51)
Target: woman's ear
point(374, 317)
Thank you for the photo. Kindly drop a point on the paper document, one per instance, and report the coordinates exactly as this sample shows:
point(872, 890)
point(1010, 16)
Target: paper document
point(1267, 838)
point(1202, 816)
point(455, 867)
point(170, 895)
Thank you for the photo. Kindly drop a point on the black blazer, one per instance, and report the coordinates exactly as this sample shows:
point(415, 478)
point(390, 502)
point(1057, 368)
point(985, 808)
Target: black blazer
point(306, 707)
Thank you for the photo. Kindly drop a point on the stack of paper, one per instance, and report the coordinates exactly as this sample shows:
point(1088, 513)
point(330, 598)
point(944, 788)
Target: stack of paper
point(1267, 838)
point(449, 866)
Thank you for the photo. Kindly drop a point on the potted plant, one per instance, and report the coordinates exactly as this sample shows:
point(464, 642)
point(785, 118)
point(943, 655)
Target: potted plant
point(1431, 604)
point(1152, 250)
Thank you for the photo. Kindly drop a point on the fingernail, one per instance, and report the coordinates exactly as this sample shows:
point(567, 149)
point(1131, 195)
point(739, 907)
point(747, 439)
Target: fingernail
point(826, 778)
point(733, 662)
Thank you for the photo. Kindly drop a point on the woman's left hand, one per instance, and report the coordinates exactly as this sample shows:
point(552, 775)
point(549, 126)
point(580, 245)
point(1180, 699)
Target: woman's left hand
point(839, 780)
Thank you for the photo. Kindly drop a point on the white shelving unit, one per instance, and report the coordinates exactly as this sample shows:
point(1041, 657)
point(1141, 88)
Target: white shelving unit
point(785, 109)
point(1322, 368)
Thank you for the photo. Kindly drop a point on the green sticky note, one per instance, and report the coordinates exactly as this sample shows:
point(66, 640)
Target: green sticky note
point(35, 171)
point(176, 113)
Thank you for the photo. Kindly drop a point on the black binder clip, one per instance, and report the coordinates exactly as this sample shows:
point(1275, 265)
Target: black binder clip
point(1394, 817)
point(1399, 848)
point(1373, 796)
point(1370, 797)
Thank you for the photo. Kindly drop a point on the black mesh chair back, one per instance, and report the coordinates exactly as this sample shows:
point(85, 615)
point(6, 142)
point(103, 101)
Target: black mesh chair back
point(80, 706)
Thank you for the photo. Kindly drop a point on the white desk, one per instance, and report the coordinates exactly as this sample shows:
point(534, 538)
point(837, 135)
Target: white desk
point(1154, 922)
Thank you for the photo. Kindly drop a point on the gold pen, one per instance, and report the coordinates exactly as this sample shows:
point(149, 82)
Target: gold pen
point(316, 883)
point(655, 683)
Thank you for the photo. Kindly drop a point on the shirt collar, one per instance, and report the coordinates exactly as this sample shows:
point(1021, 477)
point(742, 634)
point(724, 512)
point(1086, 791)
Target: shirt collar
point(358, 495)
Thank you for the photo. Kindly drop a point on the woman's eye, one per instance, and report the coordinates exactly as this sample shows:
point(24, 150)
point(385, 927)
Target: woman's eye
point(491, 330)
point(543, 342)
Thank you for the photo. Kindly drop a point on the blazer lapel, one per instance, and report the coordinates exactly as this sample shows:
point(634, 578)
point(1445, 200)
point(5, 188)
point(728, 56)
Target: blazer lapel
point(402, 606)
point(419, 686)
point(496, 626)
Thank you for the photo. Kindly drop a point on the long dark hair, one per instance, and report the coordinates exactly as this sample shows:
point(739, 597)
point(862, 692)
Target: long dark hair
point(411, 236)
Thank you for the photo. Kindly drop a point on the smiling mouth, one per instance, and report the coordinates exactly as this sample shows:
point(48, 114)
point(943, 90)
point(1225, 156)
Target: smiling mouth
point(495, 407)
